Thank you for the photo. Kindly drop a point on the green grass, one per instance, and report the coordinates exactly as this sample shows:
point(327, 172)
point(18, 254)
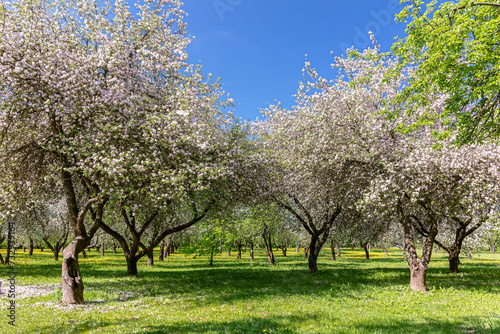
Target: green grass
point(184, 295)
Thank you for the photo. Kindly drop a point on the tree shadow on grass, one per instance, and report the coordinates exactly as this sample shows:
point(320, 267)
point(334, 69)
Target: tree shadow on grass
point(286, 325)
point(272, 324)
point(231, 280)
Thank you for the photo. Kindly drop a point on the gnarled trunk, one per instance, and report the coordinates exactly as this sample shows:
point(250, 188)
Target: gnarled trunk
point(72, 283)
point(313, 263)
point(150, 257)
point(417, 277)
point(297, 248)
point(313, 255)
point(418, 266)
point(454, 261)
point(317, 242)
point(131, 264)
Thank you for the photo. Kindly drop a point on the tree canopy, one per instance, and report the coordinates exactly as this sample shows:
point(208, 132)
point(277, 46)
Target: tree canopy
point(453, 47)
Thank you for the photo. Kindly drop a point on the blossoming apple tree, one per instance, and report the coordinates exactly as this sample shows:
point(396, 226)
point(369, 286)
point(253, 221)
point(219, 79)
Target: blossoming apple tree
point(321, 153)
point(93, 101)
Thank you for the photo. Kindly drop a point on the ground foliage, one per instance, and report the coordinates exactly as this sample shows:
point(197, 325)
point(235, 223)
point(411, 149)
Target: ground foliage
point(185, 295)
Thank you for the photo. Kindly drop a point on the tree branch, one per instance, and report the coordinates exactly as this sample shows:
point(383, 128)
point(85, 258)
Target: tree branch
point(289, 208)
point(156, 241)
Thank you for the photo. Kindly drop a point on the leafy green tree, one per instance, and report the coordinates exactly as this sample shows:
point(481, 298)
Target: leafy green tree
point(453, 48)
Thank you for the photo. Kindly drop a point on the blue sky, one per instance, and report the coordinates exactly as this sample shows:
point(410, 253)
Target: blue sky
point(258, 47)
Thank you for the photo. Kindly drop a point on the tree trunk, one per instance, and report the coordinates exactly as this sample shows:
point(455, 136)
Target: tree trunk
point(266, 235)
point(417, 278)
point(150, 258)
point(251, 252)
point(10, 246)
point(284, 249)
point(72, 283)
point(162, 251)
point(114, 248)
point(338, 249)
point(306, 251)
point(229, 251)
point(313, 263)
point(314, 249)
point(297, 248)
point(367, 250)
point(454, 260)
point(102, 249)
point(239, 251)
point(469, 255)
point(385, 251)
point(165, 252)
point(332, 249)
point(212, 248)
point(30, 248)
point(131, 265)
point(84, 254)
point(418, 266)
point(493, 247)
point(56, 254)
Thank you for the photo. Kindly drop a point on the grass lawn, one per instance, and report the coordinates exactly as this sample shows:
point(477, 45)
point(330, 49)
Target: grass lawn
point(184, 295)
